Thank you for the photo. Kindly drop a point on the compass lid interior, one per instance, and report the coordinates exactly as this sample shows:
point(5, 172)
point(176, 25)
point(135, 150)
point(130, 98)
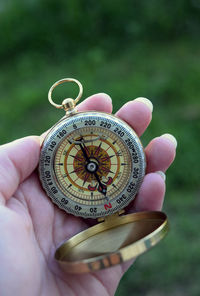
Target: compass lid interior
point(117, 239)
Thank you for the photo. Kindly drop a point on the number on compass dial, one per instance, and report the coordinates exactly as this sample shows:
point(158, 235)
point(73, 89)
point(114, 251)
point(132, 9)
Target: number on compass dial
point(92, 168)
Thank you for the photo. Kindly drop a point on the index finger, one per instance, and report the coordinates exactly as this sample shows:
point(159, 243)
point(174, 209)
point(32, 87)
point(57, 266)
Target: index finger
point(137, 114)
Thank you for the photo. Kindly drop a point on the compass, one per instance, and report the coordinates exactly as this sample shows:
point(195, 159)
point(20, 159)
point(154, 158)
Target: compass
point(92, 165)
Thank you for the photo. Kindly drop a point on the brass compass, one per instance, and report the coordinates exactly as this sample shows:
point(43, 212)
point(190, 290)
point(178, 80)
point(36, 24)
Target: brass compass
point(92, 165)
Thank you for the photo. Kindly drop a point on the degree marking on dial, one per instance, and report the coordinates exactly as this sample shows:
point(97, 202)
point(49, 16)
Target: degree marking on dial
point(75, 147)
point(74, 150)
point(65, 175)
point(82, 140)
point(76, 157)
point(76, 170)
point(106, 158)
point(107, 170)
point(119, 153)
point(76, 179)
point(108, 148)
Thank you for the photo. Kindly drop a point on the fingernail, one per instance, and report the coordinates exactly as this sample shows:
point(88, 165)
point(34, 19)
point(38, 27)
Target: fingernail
point(146, 101)
point(171, 138)
point(161, 174)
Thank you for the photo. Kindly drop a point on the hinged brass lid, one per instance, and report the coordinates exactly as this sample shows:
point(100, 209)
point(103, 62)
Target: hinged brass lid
point(112, 242)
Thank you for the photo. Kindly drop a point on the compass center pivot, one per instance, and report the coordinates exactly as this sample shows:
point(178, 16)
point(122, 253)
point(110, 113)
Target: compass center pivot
point(92, 167)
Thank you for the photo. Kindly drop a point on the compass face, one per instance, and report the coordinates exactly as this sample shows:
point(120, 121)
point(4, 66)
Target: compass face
point(92, 164)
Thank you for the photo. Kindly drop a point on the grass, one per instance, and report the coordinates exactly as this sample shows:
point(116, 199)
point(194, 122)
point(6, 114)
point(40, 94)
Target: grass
point(171, 268)
point(169, 75)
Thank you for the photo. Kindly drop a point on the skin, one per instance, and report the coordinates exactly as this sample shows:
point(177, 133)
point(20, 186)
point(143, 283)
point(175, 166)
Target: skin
point(31, 227)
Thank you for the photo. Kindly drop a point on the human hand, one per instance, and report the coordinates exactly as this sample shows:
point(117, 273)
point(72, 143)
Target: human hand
point(31, 226)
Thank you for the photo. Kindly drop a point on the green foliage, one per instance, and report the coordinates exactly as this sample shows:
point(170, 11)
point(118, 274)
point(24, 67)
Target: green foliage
point(59, 27)
point(126, 49)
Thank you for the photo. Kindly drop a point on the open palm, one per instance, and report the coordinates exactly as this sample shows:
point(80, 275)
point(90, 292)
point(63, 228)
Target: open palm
point(31, 227)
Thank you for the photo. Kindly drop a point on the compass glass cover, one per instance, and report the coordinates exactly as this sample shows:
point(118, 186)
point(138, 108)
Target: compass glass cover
point(91, 164)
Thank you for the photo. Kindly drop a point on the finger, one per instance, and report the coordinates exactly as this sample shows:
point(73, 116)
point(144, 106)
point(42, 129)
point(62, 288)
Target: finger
point(137, 114)
point(151, 194)
point(99, 102)
point(160, 153)
point(18, 159)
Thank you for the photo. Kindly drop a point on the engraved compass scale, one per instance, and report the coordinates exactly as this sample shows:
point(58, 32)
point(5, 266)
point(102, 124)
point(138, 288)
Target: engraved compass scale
point(92, 165)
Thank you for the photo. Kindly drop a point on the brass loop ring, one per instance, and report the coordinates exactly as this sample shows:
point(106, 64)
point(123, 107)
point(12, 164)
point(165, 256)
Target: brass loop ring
point(60, 82)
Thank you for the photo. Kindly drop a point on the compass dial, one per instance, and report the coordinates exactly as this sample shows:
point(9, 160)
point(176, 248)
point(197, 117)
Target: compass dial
point(92, 164)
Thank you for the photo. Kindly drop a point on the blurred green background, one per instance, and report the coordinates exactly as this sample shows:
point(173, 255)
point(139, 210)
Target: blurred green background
point(126, 49)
